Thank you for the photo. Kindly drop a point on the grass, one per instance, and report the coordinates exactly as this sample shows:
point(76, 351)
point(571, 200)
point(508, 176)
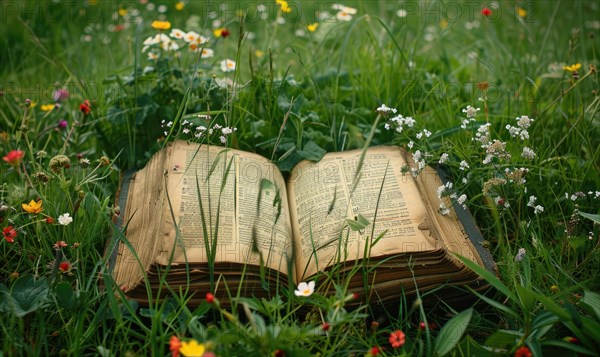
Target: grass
point(295, 92)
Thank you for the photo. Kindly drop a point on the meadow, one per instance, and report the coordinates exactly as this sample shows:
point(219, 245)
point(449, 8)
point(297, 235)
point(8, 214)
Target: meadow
point(505, 94)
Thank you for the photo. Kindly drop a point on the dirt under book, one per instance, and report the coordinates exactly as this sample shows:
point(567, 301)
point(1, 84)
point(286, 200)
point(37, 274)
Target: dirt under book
point(204, 218)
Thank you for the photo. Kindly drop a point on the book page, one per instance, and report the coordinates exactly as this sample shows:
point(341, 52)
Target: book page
point(321, 199)
point(214, 204)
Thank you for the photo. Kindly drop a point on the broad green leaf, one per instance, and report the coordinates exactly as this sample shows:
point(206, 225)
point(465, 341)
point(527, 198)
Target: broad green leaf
point(593, 217)
point(526, 297)
point(359, 223)
point(29, 294)
point(591, 302)
point(311, 152)
point(65, 295)
point(452, 332)
point(488, 276)
point(553, 307)
point(503, 338)
point(469, 347)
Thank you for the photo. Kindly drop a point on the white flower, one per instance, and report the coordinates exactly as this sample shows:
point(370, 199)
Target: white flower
point(538, 209)
point(192, 37)
point(463, 165)
point(520, 255)
point(401, 13)
point(305, 289)
point(177, 33)
point(470, 111)
point(443, 158)
point(384, 109)
point(65, 219)
point(528, 153)
point(227, 65)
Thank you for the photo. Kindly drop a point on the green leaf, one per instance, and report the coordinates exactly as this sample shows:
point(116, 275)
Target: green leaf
point(359, 223)
point(488, 276)
point(452, 332)
point(593, 217)
point(469, 347)
point(29, 295)
point(567, 346)
point(526, 297)
point(65, 295)
point(503, 338)
point(311, 152)
point(591, 302)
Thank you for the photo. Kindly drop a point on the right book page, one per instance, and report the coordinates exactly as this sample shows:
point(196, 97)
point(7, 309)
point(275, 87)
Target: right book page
point(322, 197)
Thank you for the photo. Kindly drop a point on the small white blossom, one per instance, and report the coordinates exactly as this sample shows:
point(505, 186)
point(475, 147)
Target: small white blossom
point(384, 109)
point(65, 219)
point(470, 111)
point(444, 211)
point(462, 199)
point(538, 209)
point(227, 65)
point(443, 158)
point(520, 254)
point(410, 144)
point(528, 153)
point(305, 289)
point(463, 165)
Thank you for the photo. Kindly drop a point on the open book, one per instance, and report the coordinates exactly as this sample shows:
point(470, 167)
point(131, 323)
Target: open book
point(212, 219)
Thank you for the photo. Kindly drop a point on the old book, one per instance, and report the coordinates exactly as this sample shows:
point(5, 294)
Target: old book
point(205, 218)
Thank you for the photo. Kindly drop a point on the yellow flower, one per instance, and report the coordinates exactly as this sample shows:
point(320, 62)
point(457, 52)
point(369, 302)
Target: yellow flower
point(179, 6)
point(191, 349)
point(313, 27)
point(522, 12)
point(285, 7)
point(572, 68)
point(259, 53)
point(47, 107)
point(33, 207)
point(122, 12)
point(161, 25)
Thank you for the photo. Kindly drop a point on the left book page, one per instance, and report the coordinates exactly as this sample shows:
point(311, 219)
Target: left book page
point(206, 197)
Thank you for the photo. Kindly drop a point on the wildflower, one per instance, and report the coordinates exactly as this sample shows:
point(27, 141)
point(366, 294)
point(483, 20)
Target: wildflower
point(33, 207)
point(402, 13)
point(227, 65)
point(278, 353)
point(58, 162)
point(313, 27)
point(443, 158)
point(463, 165)
point(191, 348)
point(521, 12)
point(179, 5)
point(210, 298)
point(47, 107)
point(325, 326)
point(305, 289)
point(9, 234)
point(520, 254)
point(285, 7)
point(384, 109)
point(60, 95)
point(174, 346)
point(344, 12)
point(554, 288)
point(161, 25)
point(177, 33)
point(65, 219)
point(528, 153)
point(374, 351)
point(397, 339)
point(523, 351)
point(49, 220)
point(85, 107)
point(486, 12)
point(221, 32)
point(64, 267)
point(14, 157)
point(62, 124)
point(59, 245)
point(470, 111)
point(572, 68)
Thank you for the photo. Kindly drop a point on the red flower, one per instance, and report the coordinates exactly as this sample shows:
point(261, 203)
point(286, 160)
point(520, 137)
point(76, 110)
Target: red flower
point(85, 107)
point(225, 33)
point(49, 220)
point(421, 325)
point(374, 351)
point(486, 12)
point(279, 353)
point(523, 351)
point(59, 245)
point(14, 157)
point(397, 339)
point(210, 298)
point(174, 346)
point(64, 267)
point(9, 234)
point(325, 326)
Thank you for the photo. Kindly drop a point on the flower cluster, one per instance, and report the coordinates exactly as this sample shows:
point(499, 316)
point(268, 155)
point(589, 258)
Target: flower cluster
point(396, 123)
point(537, 209)
point(520, 130)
